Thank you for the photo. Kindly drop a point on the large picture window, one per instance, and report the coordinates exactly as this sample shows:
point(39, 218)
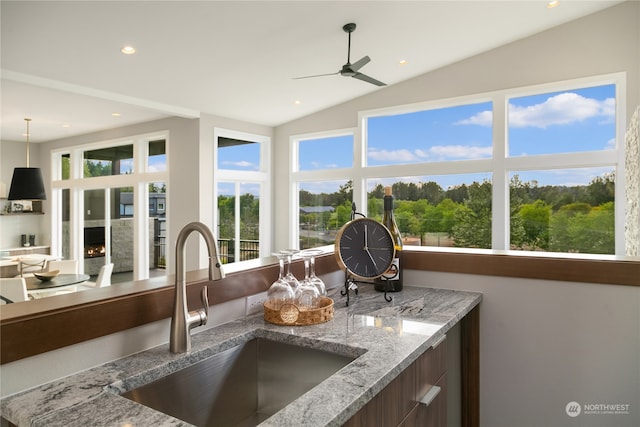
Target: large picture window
point(105, 210)
point(529, 169)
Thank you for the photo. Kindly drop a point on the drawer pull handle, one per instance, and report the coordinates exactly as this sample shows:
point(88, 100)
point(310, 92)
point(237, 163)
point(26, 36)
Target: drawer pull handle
point(439, 341)
point(431, 394)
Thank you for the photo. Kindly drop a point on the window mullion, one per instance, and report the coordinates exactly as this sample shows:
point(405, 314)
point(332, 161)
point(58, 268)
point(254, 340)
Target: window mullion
point(500, 214)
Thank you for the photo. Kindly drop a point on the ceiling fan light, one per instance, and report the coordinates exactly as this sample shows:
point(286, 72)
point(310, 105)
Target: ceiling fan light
point(27, 184)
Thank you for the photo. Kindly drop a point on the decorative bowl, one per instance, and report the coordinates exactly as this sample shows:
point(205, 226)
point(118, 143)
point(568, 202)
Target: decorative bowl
point(45, 276)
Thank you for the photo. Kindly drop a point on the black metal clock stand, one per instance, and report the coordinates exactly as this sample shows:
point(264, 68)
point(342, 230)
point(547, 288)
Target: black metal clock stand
point(351, 284)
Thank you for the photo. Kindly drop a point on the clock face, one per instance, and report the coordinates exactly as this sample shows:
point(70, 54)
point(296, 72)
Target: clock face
point(365, 248)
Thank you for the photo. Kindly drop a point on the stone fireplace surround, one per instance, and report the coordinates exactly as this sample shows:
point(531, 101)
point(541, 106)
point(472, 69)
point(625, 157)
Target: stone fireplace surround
point(121, 245)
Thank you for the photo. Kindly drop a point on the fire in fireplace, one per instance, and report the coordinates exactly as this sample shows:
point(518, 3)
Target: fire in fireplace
point(94, 243)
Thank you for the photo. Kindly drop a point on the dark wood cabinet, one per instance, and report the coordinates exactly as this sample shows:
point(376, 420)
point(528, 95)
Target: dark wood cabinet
point(399, 403)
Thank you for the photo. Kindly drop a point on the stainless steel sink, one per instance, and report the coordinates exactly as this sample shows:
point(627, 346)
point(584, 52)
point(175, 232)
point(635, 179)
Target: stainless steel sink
point(241, 386)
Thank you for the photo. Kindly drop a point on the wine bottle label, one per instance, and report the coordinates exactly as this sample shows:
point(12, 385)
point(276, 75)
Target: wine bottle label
point(393, 273)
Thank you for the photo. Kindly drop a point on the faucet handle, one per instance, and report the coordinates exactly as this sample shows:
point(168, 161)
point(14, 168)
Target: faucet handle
point(204, 297)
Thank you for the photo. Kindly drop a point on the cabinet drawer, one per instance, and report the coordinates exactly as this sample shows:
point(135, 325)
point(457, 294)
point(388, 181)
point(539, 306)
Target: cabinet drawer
point(433, 415)
point(430, 367)
point(397, 404)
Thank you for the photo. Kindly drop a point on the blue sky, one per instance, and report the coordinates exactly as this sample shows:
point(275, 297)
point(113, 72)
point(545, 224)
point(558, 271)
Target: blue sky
point(566, 121)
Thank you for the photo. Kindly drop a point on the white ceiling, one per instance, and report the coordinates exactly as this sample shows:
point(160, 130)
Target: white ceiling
point(62, 65)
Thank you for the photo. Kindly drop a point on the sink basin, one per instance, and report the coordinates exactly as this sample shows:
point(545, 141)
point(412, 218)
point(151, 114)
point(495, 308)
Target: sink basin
point(241, 386)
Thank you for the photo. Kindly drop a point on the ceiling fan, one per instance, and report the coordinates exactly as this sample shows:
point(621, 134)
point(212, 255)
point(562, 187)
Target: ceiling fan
point(349, 69)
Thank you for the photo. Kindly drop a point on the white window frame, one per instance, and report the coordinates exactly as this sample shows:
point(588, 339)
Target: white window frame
point(262, 177)
point(296, 176)
point(77, 184)
point(499, 165)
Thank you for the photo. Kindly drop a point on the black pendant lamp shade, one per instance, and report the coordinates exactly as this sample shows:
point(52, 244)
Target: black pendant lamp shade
point(27, 183)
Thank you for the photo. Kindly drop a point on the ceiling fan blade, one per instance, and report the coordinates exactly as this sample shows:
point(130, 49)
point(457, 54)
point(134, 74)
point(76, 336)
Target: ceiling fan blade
point(316, 75)
point(360, 63)
point(368, 79)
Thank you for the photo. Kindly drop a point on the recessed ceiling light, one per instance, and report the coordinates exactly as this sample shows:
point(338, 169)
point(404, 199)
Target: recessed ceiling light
point(66, 125)
point(297, 102)
point(128, 50)
point(403, 62)
point(115, 114)
point(552, 4)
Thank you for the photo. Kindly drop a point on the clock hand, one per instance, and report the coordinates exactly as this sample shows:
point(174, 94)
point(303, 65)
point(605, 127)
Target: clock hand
point(365, 237)
point(371, 257)
point(366, 248)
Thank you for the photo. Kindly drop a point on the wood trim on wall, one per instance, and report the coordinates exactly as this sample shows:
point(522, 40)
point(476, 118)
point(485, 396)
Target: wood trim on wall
point(611, 272)
point(51, 323)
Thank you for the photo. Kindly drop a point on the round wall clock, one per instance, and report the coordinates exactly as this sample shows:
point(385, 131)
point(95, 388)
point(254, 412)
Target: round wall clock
point(365, 248)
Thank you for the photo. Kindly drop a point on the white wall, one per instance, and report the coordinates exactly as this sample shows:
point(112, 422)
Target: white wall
point(544, 344)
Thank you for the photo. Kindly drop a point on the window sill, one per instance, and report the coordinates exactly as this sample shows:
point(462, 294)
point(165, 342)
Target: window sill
point(603, 269)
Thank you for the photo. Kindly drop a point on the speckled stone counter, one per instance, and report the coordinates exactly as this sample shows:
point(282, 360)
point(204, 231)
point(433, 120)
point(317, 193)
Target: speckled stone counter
point(384, 337)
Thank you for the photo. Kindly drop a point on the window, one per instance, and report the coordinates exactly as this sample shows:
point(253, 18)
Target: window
point(433, 135)
point(566, 206)
point(242, 193)
point(99, 212)
point(568, 121)
point(311, 151)
point(324, 206)
point(445, 211)
point(530, 169)
point(115, 160)
point(322, 175)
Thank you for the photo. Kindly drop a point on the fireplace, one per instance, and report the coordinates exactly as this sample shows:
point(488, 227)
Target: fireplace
point(94, 243)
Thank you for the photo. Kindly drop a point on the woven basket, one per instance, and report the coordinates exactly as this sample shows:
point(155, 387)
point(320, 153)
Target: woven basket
point(291, 314)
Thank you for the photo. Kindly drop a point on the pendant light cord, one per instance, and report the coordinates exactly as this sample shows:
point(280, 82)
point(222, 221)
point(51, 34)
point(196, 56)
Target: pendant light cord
point(27, 120)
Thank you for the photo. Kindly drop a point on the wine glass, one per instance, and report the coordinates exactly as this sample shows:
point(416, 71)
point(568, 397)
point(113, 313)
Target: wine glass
point(289, 277)
point(317, 282)
point(307, 295)
point(280, 292)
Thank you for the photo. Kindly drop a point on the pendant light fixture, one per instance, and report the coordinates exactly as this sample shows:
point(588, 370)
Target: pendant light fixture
point(27, 183)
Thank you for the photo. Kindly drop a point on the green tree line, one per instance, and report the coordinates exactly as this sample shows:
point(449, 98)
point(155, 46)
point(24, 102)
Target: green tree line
point(548, 218)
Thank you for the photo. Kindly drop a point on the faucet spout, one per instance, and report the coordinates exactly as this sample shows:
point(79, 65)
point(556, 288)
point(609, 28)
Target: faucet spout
point(184, 320)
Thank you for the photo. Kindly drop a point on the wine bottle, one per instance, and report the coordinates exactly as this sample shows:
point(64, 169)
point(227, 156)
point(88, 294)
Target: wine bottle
point(391, 281)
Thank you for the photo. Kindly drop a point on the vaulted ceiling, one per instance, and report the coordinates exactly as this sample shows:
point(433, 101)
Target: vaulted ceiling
point(63, 67)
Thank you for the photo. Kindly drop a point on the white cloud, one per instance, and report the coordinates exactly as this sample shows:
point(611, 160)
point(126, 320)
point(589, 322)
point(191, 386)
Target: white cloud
point(483, 118)
point(319, 165)
point(241, 164)
point(434, 154)
point(447, 152)
point(393, 156)
point(562, 109)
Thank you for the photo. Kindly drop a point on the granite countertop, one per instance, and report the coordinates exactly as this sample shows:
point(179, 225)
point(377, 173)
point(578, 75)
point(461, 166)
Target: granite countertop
point(385, 337)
